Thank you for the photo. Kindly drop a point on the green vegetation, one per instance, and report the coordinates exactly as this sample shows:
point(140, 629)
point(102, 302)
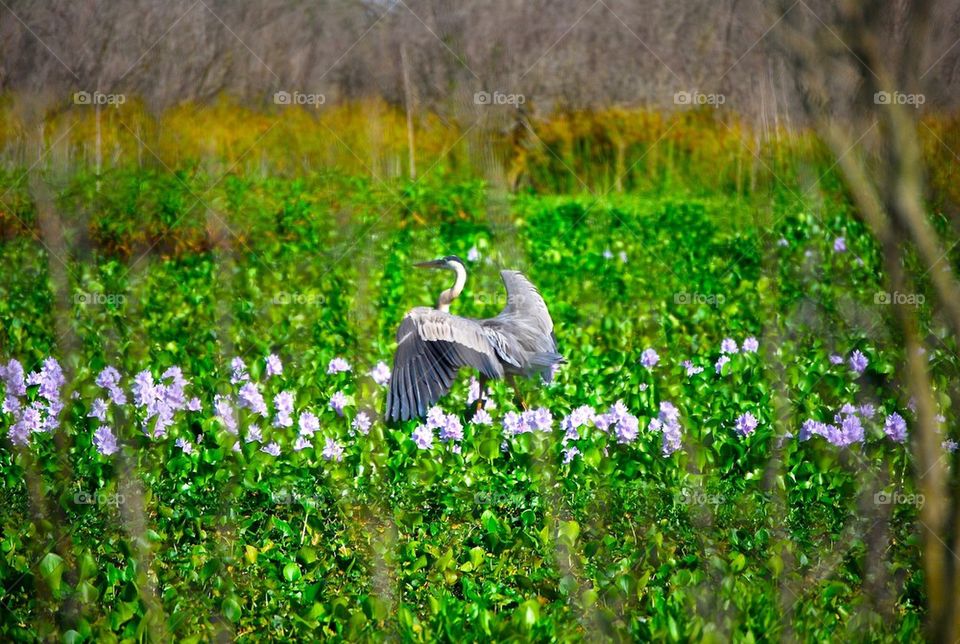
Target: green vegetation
point(751, 537)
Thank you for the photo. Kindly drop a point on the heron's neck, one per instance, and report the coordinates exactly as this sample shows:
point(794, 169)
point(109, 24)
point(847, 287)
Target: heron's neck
point(448, 295)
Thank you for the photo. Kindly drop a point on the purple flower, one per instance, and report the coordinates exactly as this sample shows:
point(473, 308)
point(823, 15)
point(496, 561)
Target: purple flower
point(283, 404)
point(194, 404)
point(481, 417)
point(514, 424)
point(144, 390)
point(452, 429)
point(105, 441)
point(836, 359)
point(32, 419)
point(895, 427)
point(627, 429)
point(649, 358)
point(473, 254)
point(338, 365)
point(851, 430)
point(184, 445)
point(949, 445)
point(302, 443)
point(108, 378)
point(867, 410)
point(691, 369)
point(332, 451)
point(361, 423)
point(381, 373)
point(254, 434)
point(618, 411)
point(98, 410)
point(722, 361)
point(750, 345)
point(337, 402)
point(746, 424)
point(840, 245)
point(274, 366)
point(117, 397)
point(13, 379)
point(436, 417)
point(308, 423)
point(50, 378)
point(858, 362)
point(273, 449)
point(238, 371)
point(423, 437)
point(250, 398)
point(569, 454)
point(671, 439)
point(728, 346)
point(603, 422)
point(539, 419)
point(668, 422)
point(223, 409)
point(577, 419)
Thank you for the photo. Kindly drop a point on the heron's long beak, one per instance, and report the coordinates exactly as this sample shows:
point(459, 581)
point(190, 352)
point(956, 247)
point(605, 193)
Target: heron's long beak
point(434, 263)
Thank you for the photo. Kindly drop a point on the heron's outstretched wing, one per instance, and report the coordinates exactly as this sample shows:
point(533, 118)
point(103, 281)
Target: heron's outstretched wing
point(524, 303)
point(431, 346)
point(522, 334)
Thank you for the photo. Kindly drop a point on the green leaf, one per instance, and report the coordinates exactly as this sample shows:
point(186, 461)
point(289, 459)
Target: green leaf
point(291, 572)
point(51, 568)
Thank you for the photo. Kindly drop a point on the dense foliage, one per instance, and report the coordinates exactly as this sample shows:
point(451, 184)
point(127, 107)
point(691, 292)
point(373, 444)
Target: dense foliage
point(764, 526)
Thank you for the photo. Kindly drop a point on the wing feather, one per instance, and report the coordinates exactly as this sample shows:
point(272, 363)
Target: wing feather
point(431, 346)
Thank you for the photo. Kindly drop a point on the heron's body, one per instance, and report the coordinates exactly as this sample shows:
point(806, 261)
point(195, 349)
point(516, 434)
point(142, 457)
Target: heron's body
point(432, 344)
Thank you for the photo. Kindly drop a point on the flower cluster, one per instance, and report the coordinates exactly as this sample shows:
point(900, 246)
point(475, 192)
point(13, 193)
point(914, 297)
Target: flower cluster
point(41, 415)
point(668, 423)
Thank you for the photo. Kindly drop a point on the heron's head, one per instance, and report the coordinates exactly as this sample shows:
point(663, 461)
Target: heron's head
point(450, 262)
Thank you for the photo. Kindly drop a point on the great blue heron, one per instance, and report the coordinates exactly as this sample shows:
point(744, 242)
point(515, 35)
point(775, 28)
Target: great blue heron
point(432, 344)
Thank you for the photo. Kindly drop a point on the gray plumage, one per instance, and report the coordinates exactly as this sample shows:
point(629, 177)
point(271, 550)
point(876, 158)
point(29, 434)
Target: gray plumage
point(432, 344)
